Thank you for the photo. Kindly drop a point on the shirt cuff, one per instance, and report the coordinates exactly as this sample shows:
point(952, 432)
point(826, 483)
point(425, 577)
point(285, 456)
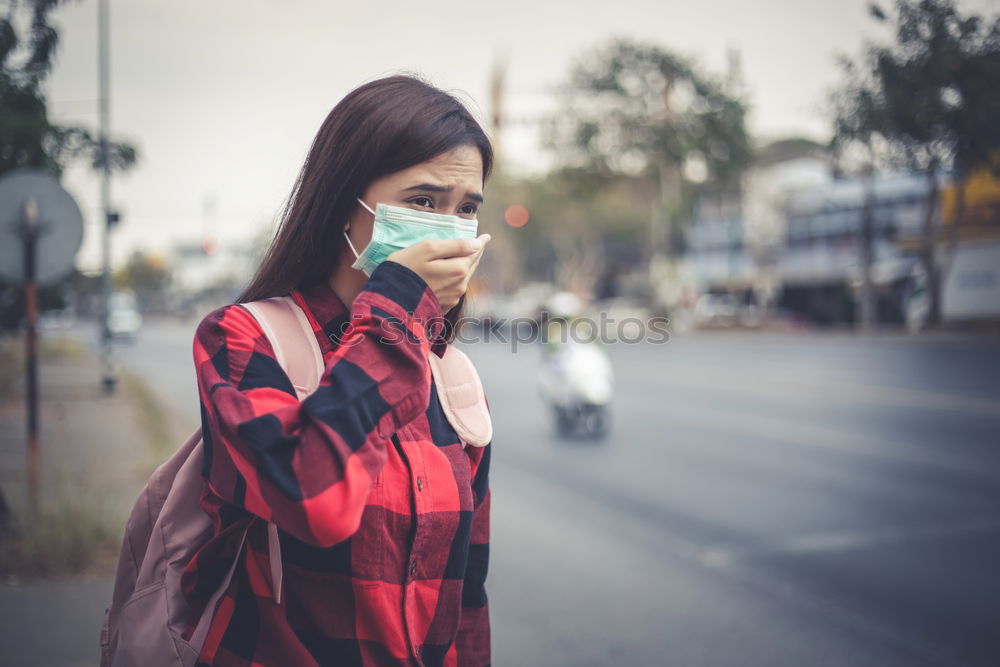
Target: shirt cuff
point(403, 286)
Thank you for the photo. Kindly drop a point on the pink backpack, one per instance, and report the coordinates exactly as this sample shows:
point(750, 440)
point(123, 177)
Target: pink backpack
point(145, 623)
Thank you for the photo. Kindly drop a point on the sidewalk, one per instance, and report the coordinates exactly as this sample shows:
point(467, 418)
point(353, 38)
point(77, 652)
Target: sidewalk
point(96, 455)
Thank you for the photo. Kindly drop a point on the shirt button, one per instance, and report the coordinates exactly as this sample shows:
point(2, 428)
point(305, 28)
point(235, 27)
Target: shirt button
point(420, 483)
point(413, 568)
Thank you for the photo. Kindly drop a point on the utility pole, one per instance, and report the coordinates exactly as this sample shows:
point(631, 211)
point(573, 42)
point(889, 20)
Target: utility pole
point(866, 294)
point(31, 230)
point(108, 379)
point(498, 79)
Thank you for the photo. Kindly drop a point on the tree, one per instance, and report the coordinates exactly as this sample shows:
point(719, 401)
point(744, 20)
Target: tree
point(638, 110)
point(28, 46)
point(27, 137)
point(927, 102)
point(149, 277)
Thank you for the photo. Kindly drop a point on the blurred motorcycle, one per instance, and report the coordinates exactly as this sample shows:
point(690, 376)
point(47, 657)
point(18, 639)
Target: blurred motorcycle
point(575, 376)
point(575, 379)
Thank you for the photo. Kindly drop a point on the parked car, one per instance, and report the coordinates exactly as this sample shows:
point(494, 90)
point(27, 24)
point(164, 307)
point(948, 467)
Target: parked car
point(124, 320)
point(715, 310)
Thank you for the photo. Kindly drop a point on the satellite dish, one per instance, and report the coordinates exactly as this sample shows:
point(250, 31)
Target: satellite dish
point(59, 219)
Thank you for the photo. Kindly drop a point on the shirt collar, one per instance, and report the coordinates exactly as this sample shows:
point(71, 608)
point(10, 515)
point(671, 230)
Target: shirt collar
point(326, 312)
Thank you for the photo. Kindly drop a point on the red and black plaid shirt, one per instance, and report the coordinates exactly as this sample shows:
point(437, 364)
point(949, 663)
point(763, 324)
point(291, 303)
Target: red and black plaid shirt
point(383, 515)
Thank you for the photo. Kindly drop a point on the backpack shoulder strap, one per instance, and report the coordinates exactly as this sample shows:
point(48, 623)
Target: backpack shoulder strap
point(461, 395)
point(292, 337)
point(297, 351)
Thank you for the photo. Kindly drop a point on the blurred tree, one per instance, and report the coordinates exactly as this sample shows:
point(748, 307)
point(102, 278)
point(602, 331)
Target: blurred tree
point(577, 223)
point(148, 277)
point(28, 45)
point(27, 137)
point(929, 102)
point(636, 110)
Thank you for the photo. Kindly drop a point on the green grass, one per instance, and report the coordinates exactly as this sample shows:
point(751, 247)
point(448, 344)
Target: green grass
point(74, 537)
point(152, 416)
point(12, 359)
point(76, 534)
point(11, 366)
point(56, 349)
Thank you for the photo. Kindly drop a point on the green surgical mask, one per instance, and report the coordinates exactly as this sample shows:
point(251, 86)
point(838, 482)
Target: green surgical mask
point(397, 227)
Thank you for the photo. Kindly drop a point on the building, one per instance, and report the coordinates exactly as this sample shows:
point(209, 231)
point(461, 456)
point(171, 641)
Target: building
point(789, 241)
point(735, 235)
point(820, 263)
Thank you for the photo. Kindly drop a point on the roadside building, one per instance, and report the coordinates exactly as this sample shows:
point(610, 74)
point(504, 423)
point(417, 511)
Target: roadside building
point(788, 241)
point(820, 263)
point(967, 247)
point(735, 235)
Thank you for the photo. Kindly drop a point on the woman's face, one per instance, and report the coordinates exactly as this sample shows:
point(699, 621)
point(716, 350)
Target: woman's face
point(450, 183)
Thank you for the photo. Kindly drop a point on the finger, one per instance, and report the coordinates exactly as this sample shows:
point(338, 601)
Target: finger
point(437, 249)
point(476, 259)
point(447, 248)
point(478, 255)
point(450, 267)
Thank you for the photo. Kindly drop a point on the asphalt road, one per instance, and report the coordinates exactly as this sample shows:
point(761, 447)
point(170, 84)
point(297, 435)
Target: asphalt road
point(761, 500)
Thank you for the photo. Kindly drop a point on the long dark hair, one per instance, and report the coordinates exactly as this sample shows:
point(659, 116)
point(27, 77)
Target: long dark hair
point(379, 128)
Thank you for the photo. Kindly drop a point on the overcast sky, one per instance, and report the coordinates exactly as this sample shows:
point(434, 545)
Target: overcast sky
point(223, 97)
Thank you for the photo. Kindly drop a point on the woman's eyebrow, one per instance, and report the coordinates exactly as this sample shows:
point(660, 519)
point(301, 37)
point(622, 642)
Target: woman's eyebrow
point(430, 187)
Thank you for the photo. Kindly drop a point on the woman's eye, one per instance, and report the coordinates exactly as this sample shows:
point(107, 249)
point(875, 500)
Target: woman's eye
point(468, 209)
point(422, 201)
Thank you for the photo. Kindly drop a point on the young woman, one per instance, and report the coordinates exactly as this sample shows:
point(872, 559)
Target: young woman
point(382, 513)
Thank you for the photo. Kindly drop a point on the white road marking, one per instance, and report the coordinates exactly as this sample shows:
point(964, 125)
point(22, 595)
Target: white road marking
point(827, 389)
point(839, 541)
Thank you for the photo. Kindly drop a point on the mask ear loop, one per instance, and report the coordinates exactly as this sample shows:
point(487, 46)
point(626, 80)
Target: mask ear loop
point(366, 206)
point(346, 236)
point(353, 249)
